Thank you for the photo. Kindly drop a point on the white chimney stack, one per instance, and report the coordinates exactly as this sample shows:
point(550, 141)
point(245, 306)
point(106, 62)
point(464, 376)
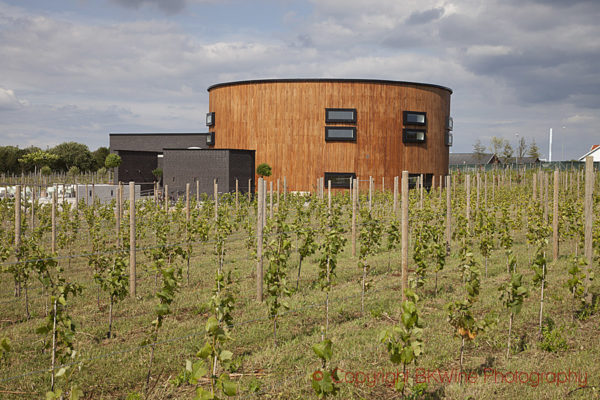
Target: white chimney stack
point(550, 146)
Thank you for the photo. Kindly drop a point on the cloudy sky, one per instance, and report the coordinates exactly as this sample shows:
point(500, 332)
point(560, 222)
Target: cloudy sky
point(79, 69)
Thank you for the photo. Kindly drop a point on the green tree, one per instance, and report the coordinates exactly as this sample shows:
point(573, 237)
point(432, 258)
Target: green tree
point(522, 148)
point(73, 171)
point(38, 159)
point(496, 144)
point(9, 159)
point(73, 154)
point(158, 173)
point(263, 170)
point(113, 161)
point(479, 150)
point(99, 156)
point(534, 150)
point(507, 151)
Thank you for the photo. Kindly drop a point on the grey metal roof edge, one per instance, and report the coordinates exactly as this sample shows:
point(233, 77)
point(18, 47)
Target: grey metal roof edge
point(186, 148)
point(158, 133)
point(341, 80)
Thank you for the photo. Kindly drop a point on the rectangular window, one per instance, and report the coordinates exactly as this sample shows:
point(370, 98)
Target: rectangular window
point(413, 135)
point(210, 119)
point(210, 139)
point(415, 118)
point(339, 179)
point(345, 115)
point(448, 138)
point(413, 180)
point(340, 133)
point(450, 123)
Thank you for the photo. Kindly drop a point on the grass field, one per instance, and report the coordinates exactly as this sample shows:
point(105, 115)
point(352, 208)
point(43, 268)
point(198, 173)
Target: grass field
point(114, 368)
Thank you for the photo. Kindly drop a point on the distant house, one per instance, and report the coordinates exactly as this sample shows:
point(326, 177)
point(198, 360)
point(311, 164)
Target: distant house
point(473, 159)
point(594, 152)
point(522, 160)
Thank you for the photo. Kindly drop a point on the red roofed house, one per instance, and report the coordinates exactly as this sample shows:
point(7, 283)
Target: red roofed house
point(594, 152)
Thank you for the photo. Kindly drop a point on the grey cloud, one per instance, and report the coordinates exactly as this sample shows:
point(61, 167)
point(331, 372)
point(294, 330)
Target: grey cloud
point(167, 6)
point(425, 16)
point(9, 101)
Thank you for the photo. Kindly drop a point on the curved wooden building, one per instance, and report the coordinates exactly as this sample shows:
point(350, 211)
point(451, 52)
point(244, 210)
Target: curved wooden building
point(332, 128)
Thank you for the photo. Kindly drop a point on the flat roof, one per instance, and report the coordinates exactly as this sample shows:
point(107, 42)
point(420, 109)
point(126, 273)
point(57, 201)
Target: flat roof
point(294, 80)
point(159, 133)
point(187, 148)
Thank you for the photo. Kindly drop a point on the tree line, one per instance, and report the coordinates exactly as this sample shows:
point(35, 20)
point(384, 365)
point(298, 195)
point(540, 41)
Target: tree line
point(504, 150)
point(65, 157)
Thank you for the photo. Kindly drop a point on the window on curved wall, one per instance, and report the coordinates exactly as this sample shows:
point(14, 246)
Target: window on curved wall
point(210, 119)
point(210, 139)
point(341, 115)
point(340, 134)
point(415, 118)
point(413, 135)
point(339, 179)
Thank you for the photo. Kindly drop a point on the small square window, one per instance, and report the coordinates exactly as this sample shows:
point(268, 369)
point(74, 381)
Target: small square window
point(413, 136)
point(210, 119)
point(340, 133)
point(339, 179)
point(344, 115)
point(415, 118)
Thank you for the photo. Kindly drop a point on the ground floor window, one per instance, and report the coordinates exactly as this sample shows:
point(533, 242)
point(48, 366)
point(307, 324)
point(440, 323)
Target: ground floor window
point(339, 179)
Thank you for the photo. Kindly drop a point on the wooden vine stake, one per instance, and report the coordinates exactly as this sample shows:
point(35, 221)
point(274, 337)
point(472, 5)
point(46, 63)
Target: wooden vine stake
point(404, 200)
point(395, 208)
point(448, 215)
point(117, 216)
point(534, 190)
point(54, 201)
point(17, 231)
point(329, 196)
point(216, 190)
point(132, 282)
point(370, 193)
point(354, 201)
point(187, 202)
point(237, 189)
point(588, 217)
point(468, 183)
point(167, 199)
point(198, 192)
point(271, 199)
point(259, 242)
point(555, 218)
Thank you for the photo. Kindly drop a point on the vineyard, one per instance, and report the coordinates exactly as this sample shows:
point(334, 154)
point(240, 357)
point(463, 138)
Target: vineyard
point(482, 287)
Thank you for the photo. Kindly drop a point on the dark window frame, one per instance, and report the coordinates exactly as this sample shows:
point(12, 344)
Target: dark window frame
point(337, 120)
point(338, 139)
point(406, 139)
point(210, 139)
point(448, 139)
point(405, 118)
point(413, 180)
point(212, 115)
point(347, 175)
point(450, 123)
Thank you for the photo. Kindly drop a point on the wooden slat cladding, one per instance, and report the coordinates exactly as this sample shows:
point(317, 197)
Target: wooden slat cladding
point(285, 123)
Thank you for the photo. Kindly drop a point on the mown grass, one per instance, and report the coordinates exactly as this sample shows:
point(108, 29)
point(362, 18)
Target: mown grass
point(115, 367)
